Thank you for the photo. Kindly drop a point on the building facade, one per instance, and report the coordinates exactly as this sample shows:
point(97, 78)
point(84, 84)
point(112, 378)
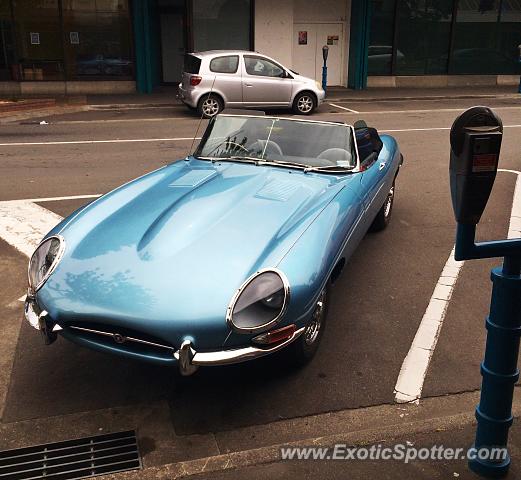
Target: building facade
point(88, 46)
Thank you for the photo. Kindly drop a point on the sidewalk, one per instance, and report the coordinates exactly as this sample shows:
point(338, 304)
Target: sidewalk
point(255, 452)
point(167, 95)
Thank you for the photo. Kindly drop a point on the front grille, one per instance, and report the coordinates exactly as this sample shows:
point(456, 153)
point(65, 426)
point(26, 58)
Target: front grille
point(72, 459)
point(122, 338)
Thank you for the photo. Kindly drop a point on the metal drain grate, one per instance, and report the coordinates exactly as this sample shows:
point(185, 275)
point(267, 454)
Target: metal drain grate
point(72, 459)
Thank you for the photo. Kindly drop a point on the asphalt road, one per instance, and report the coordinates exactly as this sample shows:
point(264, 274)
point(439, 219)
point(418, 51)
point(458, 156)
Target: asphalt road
point(376, 308)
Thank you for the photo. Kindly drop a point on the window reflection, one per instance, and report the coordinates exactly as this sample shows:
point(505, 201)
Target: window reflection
point(221, 24)
point(423, 36)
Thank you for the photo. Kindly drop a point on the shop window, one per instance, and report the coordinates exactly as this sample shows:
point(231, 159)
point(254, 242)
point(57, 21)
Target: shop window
point(227, 64)
point(381, 40)
point(38, 33)
point(97, 39)
point(485, 42)
point(423, 36)
point(8, 68)
point(221, 24)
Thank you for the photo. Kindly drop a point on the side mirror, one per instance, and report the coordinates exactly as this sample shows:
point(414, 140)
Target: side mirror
point(475, 141)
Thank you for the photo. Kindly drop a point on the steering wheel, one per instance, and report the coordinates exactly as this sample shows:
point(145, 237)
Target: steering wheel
point(227, 141)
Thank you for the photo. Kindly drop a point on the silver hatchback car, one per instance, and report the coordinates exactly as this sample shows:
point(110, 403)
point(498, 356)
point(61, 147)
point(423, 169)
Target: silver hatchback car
point(217, 79)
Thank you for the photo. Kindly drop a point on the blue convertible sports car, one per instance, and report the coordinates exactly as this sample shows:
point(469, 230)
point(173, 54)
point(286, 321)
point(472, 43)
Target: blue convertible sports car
point(224, 256)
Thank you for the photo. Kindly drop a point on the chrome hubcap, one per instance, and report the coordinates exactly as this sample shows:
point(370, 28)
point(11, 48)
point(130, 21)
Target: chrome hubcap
point(210, 107)
point(305, 104)
point(389, 203)
point(313, 328)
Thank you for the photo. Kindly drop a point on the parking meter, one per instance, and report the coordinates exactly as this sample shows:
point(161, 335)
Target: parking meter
point(475, 140)
point(325, 53)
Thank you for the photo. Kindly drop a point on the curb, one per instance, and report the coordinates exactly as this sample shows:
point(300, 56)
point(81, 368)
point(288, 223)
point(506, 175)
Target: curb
point(457, 411)
point(423, 97)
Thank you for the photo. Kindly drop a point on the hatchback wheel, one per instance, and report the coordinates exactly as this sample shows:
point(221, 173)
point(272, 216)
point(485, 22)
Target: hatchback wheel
point(209, 106)
point(304, 103)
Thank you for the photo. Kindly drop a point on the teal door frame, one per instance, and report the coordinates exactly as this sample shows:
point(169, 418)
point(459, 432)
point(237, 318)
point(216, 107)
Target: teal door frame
point(146, 45)
point(359, 44)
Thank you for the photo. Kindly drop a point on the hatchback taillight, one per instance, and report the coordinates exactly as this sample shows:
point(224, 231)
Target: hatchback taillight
point(195, 80)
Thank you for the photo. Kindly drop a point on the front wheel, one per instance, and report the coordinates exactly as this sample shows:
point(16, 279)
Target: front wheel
point(209, 106)
point(303, 349)
point(304, 103)
point(384, 215)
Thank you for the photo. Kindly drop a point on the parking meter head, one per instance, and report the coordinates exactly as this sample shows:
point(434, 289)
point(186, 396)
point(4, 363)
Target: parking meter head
point(325, 52)
point(475, 142)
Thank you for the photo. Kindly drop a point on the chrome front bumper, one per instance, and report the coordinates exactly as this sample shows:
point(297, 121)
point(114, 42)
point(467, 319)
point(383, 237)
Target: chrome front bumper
point(188, 359)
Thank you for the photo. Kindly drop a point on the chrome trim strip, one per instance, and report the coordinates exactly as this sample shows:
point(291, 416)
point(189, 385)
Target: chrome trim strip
point(32, 289)
point(227, 357)
point(266, 326)
point(123, 337)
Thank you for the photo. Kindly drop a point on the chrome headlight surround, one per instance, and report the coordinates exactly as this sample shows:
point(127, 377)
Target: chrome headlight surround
point(266, 325)
point(36, 283)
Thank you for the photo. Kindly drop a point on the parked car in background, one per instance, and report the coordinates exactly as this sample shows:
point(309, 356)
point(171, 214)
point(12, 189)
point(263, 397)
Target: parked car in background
point(225, 256)
point(217, 79)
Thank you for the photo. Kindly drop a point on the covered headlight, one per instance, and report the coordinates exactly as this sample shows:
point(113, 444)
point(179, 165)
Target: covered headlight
point(260, 302)
point(44, 260)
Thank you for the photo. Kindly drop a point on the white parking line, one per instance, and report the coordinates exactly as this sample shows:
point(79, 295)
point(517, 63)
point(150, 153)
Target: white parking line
point(117, 140)
point(57, 199)
point(414, 368)
point(23, 224)
point(343, 108)
point(431, 129)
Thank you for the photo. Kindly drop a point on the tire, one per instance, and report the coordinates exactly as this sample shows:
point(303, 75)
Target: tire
point(304, 103)
point(210, 105)
point(304, 348)
point(384, 215)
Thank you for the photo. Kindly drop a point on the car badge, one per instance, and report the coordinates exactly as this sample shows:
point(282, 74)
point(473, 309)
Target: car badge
point(119, 338)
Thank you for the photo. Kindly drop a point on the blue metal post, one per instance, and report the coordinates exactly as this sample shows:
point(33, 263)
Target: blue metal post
point(499, 368)
point(324, 76)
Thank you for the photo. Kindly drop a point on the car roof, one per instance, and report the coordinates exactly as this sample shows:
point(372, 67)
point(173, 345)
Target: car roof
point(211, 53)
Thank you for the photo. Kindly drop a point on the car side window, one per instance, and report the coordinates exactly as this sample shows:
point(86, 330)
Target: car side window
point(226, 64)
point(262, 67)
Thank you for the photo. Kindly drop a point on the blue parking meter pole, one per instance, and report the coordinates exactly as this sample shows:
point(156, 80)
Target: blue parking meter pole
point(519, 88)
point(475, 145)
point(325, 53)
point(499, 367)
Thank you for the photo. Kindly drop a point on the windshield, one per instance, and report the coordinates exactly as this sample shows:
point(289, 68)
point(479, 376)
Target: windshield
point(277, 140)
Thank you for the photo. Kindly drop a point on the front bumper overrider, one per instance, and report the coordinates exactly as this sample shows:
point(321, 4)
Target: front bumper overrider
point(188, 359)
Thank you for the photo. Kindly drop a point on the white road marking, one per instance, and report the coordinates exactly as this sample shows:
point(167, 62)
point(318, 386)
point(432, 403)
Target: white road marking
point(414, 368)
point(23, 224)
point(57, 199)
point(431, 129)
point(121, 120)
point(342, 108)
point(117, 140)
point(440, 110)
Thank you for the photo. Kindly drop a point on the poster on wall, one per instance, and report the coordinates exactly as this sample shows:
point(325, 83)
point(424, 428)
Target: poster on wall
point(303, 38)
point(75, 38)
point(332, 39)
point(35, 38)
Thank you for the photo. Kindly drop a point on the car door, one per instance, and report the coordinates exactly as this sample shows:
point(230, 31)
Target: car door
point(228, 80)
point(374, 181)
point(265, 83)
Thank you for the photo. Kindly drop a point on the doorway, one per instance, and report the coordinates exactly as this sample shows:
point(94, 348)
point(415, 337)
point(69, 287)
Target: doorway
point(308, 40)
point(172, 15)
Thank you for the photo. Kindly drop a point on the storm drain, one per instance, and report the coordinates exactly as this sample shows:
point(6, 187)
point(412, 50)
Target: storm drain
point(72, 459)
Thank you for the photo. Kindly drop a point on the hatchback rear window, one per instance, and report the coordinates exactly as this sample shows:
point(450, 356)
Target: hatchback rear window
point(227, 64)
point(192, 64)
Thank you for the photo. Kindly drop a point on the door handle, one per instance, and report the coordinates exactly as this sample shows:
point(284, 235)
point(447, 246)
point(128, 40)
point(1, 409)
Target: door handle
point(382, 166)
point(248, 85)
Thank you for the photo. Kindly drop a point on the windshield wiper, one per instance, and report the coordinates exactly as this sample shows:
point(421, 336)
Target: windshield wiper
point(328, 168)
point(232, 158)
